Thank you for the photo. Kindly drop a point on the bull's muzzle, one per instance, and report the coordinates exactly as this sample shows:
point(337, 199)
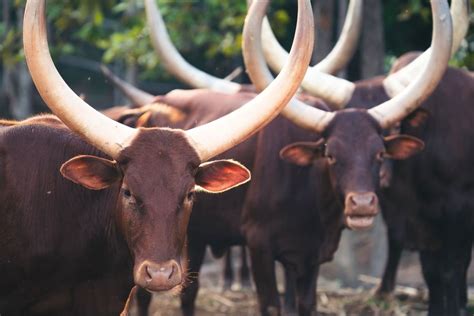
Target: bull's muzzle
point(361, 209)
point(159, 276)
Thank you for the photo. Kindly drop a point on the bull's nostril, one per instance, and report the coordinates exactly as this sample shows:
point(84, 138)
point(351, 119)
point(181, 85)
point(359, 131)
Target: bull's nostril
point(372, 200)
point(171, 272)
point(352, 200)
point(159, 276)
point(150, 273)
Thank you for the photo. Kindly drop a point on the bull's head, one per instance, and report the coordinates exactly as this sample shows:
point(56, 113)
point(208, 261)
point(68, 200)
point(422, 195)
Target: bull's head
point(159, 169)
point(352, 141)
point(354, 148)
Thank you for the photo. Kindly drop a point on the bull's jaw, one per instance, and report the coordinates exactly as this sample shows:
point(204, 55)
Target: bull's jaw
point(359, 222)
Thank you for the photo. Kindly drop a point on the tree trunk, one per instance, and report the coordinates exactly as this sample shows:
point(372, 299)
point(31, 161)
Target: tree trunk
point(17, 83)
point(6, 14)
point(341, 18)
point(372, 43)
point(324, 22)
point(126, 70)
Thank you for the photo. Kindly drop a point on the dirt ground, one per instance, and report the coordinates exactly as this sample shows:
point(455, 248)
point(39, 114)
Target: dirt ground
point(330, 303)
point(333, 298)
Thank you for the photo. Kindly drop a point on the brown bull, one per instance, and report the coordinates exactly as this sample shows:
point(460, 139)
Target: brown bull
point(128, 218)
point(352, 146)
point(428, 206)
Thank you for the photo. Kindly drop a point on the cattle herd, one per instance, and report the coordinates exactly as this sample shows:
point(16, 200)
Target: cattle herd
point(99, 210)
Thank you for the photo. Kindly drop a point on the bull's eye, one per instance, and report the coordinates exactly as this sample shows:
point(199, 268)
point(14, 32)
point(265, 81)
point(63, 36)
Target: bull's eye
point(331, 159)
point(127, 193)
point(190, 195)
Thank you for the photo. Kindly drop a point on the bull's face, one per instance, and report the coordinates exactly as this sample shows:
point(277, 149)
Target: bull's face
point(354, 148)
point(156, 197)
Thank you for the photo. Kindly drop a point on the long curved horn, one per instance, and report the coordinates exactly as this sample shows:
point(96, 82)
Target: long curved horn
point(298, 112)
point(100, 131)
point(346, 45)
point(398, 81)
point(394, 110)
point(340, 55)
point(337, 92)
point(137, 96)
point(394, 84)
point(224, 133)
point(174, 62)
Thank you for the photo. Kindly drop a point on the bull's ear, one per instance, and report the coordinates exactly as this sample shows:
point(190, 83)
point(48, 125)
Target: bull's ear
point(220, 175)
point(135, 118)
point(91, 172)
point(401, 147)
point(144, 120)
point(303, 153)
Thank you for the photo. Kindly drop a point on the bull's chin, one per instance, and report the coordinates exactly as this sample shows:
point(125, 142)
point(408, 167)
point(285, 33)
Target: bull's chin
point(174, 290)
point(359, 222)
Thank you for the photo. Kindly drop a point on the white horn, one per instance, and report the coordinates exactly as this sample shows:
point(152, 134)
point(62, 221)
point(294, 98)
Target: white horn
point(172, 60)
point(337, 92)
point(398, 81)
point(228, 131)
point(100, 131)
point(394, 110)
point(298, 112)
point(136, 96)
point(346, 45)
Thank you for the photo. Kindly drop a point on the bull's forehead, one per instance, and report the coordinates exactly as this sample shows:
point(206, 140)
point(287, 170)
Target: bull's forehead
point(159, 160)
point(353, 126)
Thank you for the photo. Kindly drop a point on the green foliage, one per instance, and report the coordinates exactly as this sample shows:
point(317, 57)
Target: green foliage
point(206, 32)
point(201, 30)
point(410, 29)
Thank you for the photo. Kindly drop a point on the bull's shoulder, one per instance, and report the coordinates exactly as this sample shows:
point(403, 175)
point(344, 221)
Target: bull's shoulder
point(40, 134)
point(45, 119)
point(205, 100)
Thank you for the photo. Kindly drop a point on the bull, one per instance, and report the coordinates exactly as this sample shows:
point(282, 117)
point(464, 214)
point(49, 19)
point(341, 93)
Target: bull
point(87, 200)
point(428, 206)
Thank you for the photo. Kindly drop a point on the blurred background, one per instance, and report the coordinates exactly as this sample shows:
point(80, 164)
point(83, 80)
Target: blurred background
point(84, 34)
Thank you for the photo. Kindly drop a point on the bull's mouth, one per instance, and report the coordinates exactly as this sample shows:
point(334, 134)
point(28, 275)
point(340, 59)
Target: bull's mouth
point(173, 290)
point(359, 222)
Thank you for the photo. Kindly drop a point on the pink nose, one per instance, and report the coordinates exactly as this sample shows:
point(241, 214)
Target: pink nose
point(361, 204)
point(158, 277)
point(360, 209)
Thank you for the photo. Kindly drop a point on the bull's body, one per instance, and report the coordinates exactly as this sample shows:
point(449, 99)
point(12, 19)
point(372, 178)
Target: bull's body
point(429, 206)
point(59, 248)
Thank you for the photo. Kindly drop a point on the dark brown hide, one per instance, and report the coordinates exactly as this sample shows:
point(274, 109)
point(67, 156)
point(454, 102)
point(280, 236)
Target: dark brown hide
point(58, 235)
point(48, 238)
point(429, 206)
